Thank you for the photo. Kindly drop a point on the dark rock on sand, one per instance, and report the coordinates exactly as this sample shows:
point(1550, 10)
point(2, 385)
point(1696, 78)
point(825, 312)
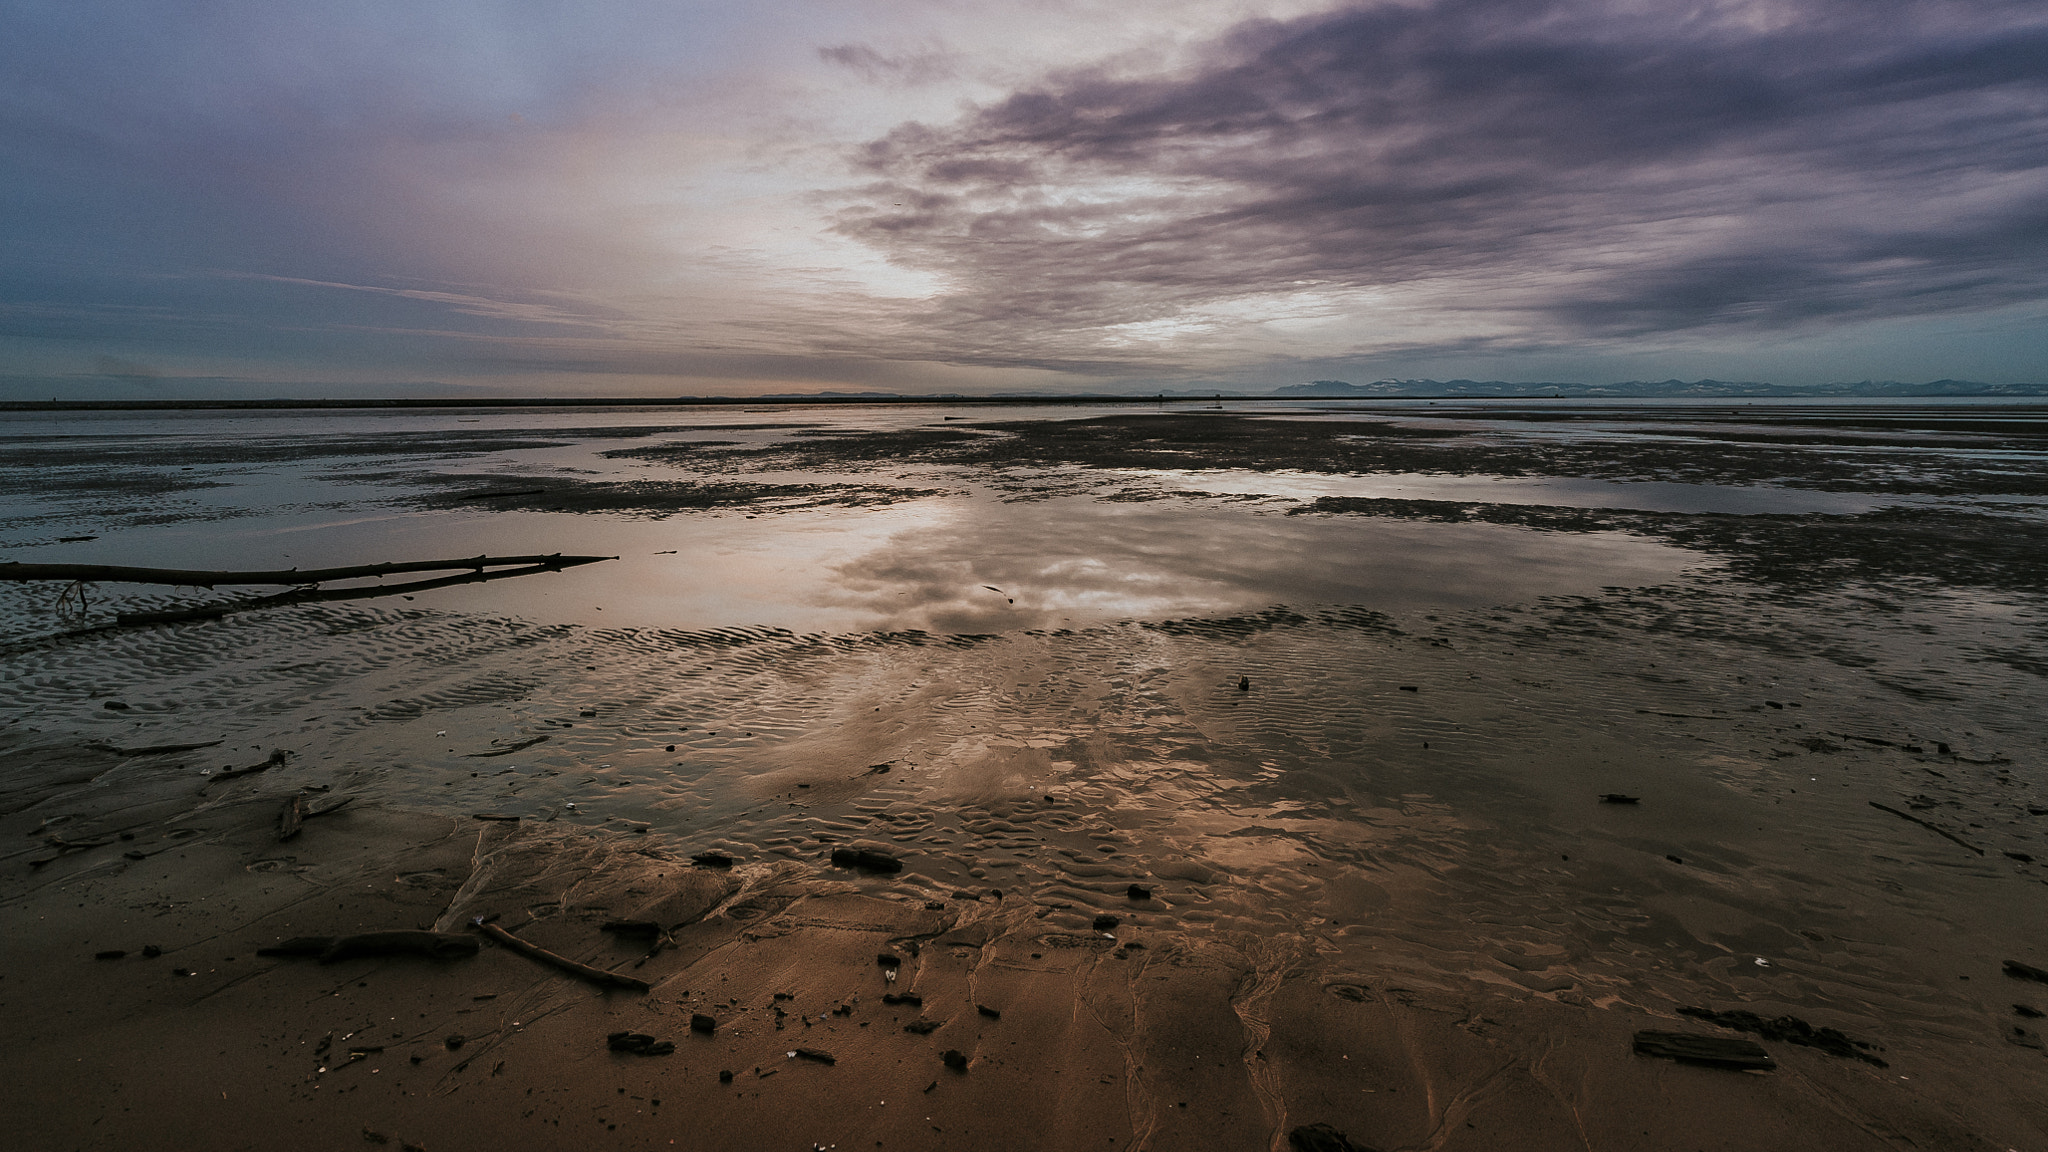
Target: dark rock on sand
point(725, 1077)
point(2021, 971)
point(910, 998)
point(1105, 922)
point(455, 1041)
point(1322, 1138)
point(921, 1027)
point(1138, 892)
point(639, 1043)
point(1714, 1050)
point(987, 1011)
point(110, 954)
point(888, 959)
point(821, 1057)
point(955, 1059)
point(702, 1023)
point(2028, 1011)
point(866, 859)
point(1791, 1030)
point(712, 860)
point(1618, 798)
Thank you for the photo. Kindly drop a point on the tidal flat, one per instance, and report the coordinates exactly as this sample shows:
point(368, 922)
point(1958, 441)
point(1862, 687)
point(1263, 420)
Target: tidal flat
point(1250, 774)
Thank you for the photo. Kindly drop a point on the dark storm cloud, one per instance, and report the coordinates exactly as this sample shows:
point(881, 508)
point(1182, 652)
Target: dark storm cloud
point(1583, 167)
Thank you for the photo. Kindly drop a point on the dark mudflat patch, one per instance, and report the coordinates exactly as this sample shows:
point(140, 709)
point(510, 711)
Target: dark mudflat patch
point(1959, 548)
point(62, 483)
point(1195, 441)
point(177, 449)
point(649, 498)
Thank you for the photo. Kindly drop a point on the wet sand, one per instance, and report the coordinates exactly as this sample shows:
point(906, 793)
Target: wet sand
point(1381, 891)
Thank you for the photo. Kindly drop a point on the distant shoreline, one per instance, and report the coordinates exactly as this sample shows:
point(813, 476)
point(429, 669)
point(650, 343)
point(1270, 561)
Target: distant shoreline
point(284, 404)
point(591, 402)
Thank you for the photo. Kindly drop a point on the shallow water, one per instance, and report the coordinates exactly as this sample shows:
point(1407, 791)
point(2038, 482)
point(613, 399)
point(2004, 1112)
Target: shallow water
point(1066, 546)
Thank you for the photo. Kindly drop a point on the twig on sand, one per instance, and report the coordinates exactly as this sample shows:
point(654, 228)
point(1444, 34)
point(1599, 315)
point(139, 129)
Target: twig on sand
point(1936, 829)
point(573, 967)
point(277, 756)
point(159, 749)
point(511, 748)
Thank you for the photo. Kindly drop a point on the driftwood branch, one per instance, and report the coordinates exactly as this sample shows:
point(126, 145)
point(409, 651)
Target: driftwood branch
point(1934, 828)
point(324, 595)
point(208, 578)
point(573, 967)
point(299, 809)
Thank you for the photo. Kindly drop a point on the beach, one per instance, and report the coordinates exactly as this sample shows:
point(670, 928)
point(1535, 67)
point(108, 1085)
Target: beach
point(1064, 779)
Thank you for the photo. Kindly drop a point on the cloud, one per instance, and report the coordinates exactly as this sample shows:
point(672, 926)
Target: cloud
point(910, 68)
point(1466, 173)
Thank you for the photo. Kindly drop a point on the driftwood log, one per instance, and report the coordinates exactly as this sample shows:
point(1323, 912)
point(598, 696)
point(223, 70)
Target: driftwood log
point(208, 578)
point(573, 967)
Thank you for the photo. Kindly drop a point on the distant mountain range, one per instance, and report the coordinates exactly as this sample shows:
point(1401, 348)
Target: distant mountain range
point(1651, 388)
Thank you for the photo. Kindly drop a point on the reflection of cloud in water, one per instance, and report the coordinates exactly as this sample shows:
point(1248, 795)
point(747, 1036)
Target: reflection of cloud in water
point(1076, 561)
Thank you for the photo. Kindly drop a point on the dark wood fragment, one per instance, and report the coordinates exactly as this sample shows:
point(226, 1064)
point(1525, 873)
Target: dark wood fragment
point(1322, 1138)
point(1718, 1051)
point(2025, 971)
point(573, 967)
point(639, 1043)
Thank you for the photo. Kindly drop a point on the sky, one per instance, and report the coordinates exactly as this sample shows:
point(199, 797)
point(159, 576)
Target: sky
point(681, 197)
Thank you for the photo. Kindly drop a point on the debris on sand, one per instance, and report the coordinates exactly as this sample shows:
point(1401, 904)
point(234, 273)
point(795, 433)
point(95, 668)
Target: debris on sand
point(515, 746)
point(300, 809)
point(1618, 798)
point(866, 860)
point(574, 968)
point(638, 1043)
point(277, 756)
point(1790, 1030)
point(1717, 1051)
point(1322, 1138)
point(2021, 971)
point(398, 942)
point(1936, 829)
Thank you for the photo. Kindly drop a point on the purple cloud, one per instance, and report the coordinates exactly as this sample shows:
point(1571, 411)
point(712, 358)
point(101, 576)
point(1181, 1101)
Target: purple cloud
point(1556, 170)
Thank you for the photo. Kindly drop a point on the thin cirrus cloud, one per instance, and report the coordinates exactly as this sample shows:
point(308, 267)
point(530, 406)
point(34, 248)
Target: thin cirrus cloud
point(1518, 173)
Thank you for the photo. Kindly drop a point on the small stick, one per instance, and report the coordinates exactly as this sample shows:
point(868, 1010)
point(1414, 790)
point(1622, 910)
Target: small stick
point(1930, 827)
point(277, 756)
point(507, 751)
point(573, 967)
